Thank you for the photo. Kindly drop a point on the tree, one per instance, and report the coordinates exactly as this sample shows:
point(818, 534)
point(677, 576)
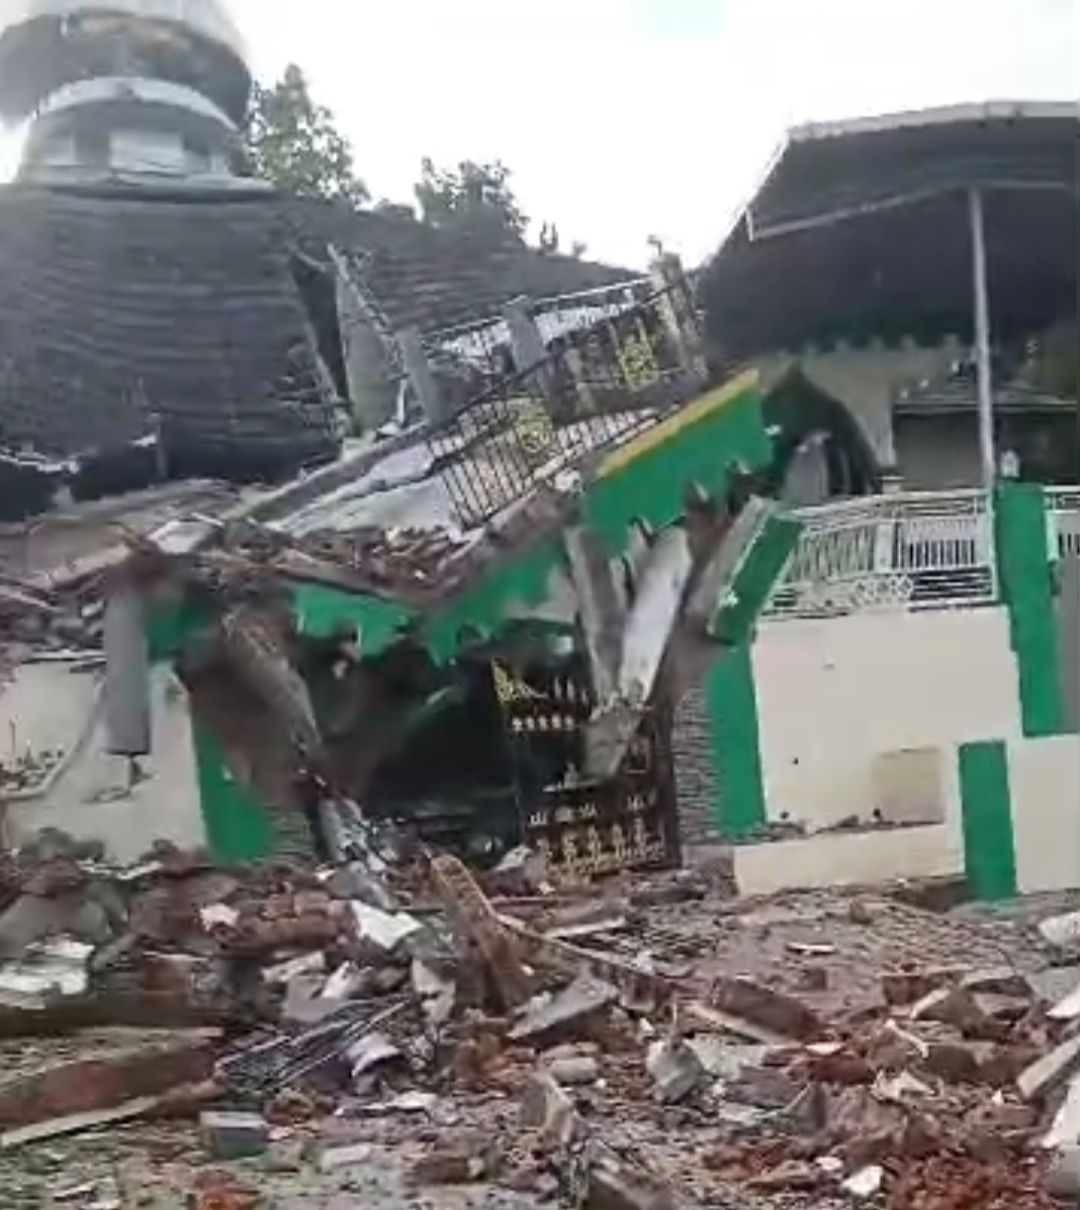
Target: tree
point(294, 143)
point(474, 197)
point(551, 245)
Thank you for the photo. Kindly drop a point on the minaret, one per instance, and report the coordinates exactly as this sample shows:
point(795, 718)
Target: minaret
point(140, 89)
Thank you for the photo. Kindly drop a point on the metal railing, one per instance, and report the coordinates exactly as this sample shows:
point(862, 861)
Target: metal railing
point(485, 343)
point(596, 385)
point(1063, 509)
point(911, 550)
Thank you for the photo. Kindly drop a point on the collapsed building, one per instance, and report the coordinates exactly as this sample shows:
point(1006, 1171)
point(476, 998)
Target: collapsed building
point(579, 585)
point(471, 631)
point(166, 315)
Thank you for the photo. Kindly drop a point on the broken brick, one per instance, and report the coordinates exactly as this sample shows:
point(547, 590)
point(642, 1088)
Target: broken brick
point(463, 1161)
point(101, 1083)
point(909, 986)
point(998, 981)
point(764, 1006)
point(952, 1062)
point(615, 1184)
point(477, 920)
point(842, 1067)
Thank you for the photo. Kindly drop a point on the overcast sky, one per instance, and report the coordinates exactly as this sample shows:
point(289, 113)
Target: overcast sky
point(622, 119)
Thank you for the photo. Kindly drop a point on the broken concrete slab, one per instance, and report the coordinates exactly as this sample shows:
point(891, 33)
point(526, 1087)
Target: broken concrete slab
point(676, 1070)
point(572, 1070)
point(568, 1013)
point(723, 1058)
point(1063, 1176)
point(1063, 931)
point(1050, 1070)
point(998, 981)
point(548, 1110)
point(763, 1006)
point(1067, 1008)
point(386, 930)
point(616, 1184)
point(951, 1006)
point(1065, 1129)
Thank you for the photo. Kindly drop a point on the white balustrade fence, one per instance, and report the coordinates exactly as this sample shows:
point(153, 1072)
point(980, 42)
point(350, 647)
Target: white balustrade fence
point(906, 550)
point(1063, 507)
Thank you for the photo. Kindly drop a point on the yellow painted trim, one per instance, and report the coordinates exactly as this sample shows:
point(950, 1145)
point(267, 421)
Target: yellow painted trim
point(672, 425)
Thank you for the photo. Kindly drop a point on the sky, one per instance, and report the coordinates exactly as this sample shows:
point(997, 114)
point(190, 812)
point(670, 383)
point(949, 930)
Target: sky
point(623, 120)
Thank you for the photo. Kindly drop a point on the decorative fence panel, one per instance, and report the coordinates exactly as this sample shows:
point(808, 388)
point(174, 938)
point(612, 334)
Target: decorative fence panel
point(907, 550)
point(595, 386)
point(1063, 508)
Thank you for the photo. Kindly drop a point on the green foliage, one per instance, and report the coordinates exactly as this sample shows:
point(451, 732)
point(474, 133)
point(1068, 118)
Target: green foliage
point(294, 143)
point(474, 197)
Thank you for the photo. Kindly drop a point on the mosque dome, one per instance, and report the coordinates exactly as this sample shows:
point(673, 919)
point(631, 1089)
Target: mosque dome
point(46, 45)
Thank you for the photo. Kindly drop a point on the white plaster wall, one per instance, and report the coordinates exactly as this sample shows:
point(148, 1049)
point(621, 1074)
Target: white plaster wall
point(833, 694)
point(1044, 783)
point(51, 707)
point(845, 858)
point(868, 378)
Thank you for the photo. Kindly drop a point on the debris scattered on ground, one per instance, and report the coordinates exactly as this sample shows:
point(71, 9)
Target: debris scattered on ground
point(623, 1047)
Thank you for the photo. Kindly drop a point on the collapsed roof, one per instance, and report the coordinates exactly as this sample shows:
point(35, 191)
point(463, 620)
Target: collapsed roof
point(130, 315)
point(861, 229)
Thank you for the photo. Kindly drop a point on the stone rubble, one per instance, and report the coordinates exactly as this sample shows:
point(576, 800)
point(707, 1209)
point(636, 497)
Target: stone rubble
point(181, 1037)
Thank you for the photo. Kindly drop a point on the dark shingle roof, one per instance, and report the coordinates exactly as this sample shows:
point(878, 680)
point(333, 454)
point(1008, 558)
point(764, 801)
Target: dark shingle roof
point(119, 305)
point(862, 229)
point(114, 309)
point(432, 279)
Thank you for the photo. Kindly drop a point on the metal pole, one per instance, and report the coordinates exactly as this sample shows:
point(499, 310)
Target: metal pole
point(984, 373)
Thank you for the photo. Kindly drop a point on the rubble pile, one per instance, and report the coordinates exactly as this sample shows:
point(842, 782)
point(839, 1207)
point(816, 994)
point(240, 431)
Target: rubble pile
point(644, 1045)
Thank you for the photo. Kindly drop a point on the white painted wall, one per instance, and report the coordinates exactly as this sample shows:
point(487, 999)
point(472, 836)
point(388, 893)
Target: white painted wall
point(1044, 783)
point(868, 378)
point(834, 694)
point(48, 706)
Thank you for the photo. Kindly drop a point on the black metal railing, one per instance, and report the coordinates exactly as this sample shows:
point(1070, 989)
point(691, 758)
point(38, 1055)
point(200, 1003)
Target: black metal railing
point(596, 385)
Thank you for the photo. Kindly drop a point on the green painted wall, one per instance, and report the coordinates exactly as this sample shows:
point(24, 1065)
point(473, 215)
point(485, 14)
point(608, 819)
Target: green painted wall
point(1027, 589)
point(731, 701)
point(647, 480)
point(986, 807)
point(754, 579)
point(699, 445)
point(237, 827)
